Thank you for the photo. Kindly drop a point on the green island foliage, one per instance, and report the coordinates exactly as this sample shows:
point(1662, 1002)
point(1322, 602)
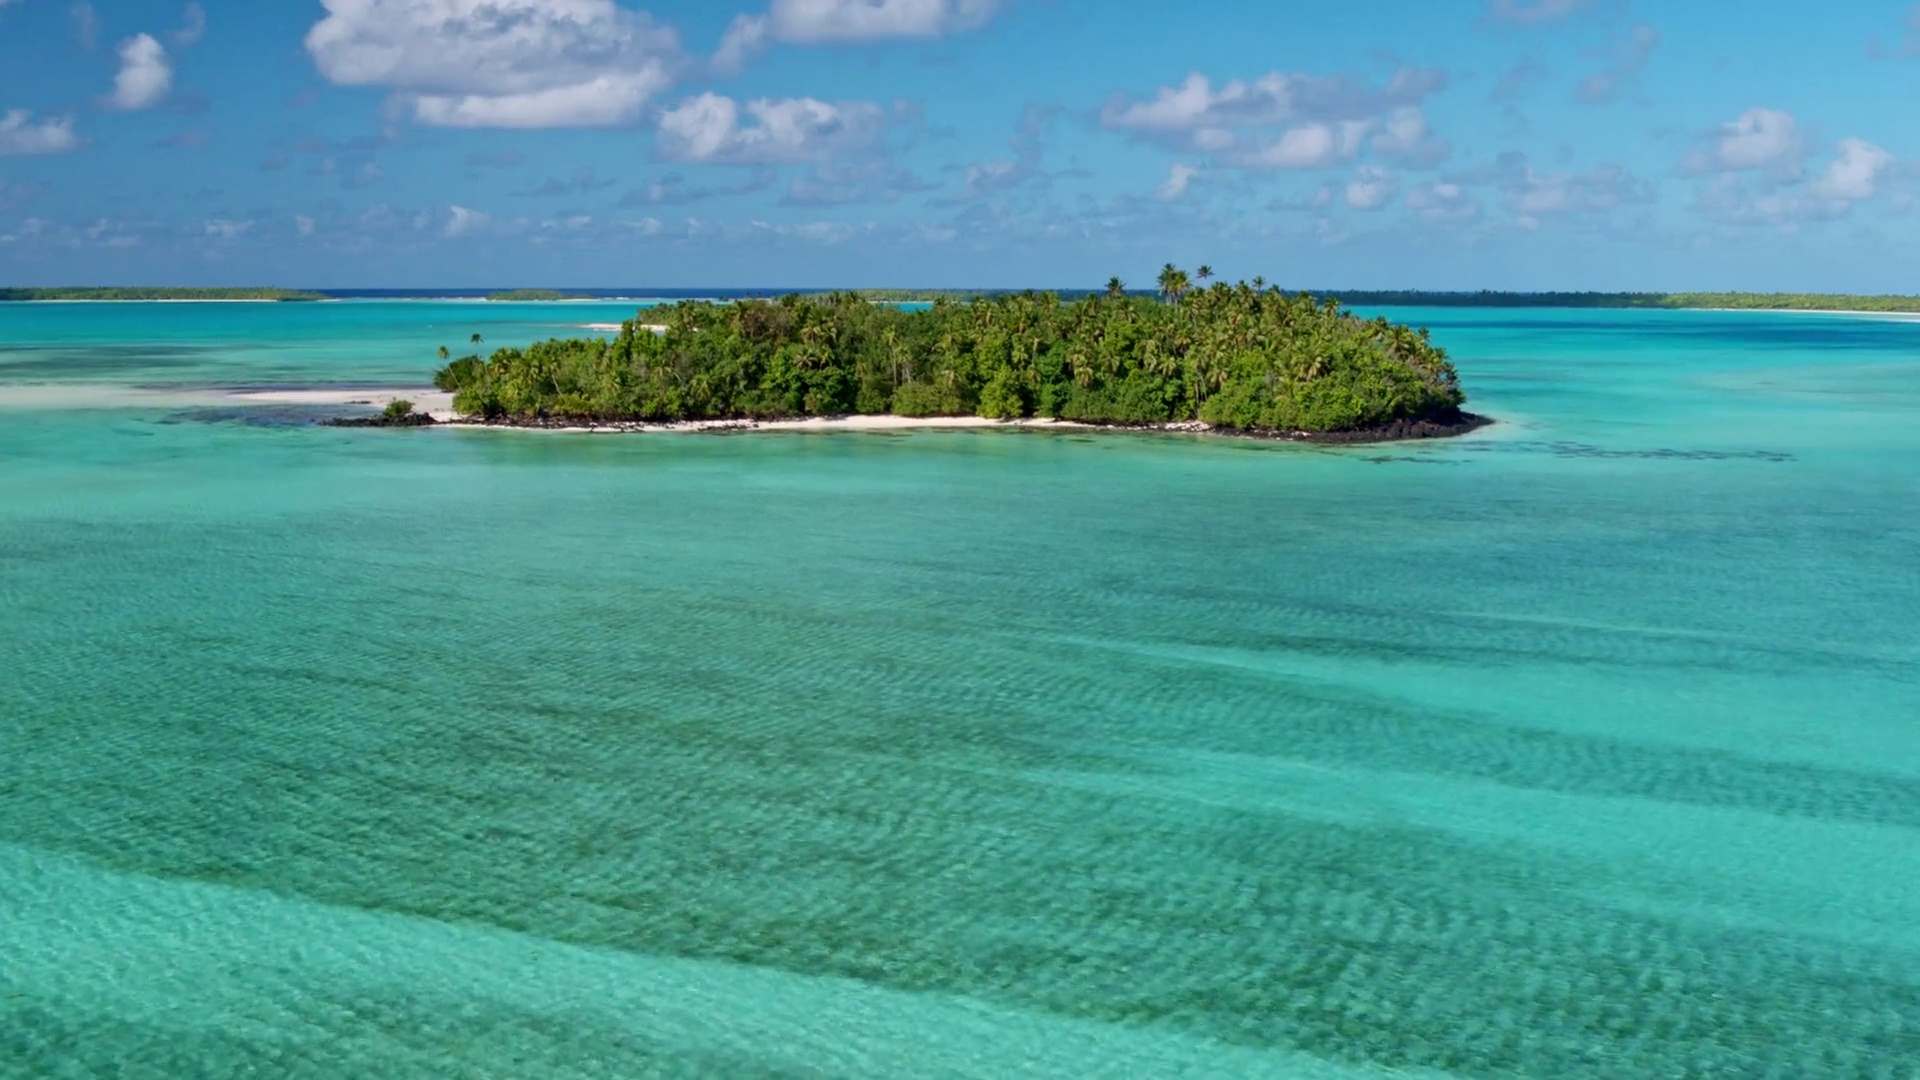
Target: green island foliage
point(1646, 300)
point(398, 409)
point(532, 295)
point(141, 293)
point(1235, 356)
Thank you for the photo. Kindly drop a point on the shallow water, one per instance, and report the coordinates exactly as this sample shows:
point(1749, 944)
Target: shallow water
point(1586, 746)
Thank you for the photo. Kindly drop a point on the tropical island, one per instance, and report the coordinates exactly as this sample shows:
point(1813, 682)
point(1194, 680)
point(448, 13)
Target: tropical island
point(1691, 301)
point(1644, 301)
point(1244, 358)
point(119, 293)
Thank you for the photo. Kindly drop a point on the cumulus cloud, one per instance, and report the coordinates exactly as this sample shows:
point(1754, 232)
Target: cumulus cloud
point(20, 136)
point(1180, 178)
point(1282, 121)
point(1406, 139)
point(1757, 139)
point(1535, 12)
point(1630, 58)
point(1371, 188)
point(819, 22)
point(747, 37)
point(713, 129)
point(500, 63)
point(1855, 174)
point(1781, 200)
point(145, 74)
point(461, 221)
point(809, 21)
point(1309, 146)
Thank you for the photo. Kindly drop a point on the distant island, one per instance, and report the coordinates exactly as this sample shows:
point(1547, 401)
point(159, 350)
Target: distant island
point(1730, 301)
point(1239, 358)
point(1694, 301)
point(124, 294)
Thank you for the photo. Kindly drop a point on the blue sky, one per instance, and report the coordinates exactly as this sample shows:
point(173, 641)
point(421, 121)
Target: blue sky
point(1516, 144)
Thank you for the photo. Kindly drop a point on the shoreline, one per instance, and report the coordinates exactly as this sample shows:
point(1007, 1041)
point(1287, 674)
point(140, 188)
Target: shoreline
point(1896, 316)
point(1397, 432)
point(438, 406)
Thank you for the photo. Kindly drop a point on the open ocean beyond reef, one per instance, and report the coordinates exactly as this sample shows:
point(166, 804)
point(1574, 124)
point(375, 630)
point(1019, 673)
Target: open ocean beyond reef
point(1585, 746)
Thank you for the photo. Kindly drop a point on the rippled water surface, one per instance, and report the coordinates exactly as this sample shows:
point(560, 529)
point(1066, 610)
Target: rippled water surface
point(1586, 746)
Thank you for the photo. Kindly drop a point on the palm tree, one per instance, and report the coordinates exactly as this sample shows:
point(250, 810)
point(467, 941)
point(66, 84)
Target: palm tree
point(1116, 288)
point(1204, 274)
point(1259, 283)
point(445, 353)
point(475, 340)
point(1173, 283)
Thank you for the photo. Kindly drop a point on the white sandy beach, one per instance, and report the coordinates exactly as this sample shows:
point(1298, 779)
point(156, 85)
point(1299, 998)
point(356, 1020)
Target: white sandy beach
point(820, 424)
point(435, 403)
point(1892, 316)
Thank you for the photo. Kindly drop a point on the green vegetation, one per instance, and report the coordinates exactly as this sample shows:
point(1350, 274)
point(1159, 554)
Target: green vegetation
point(1231, 355)
point(398, 409)
point(116, 293)
point(1793, 302)
point(1656, 301)
point(531, 295)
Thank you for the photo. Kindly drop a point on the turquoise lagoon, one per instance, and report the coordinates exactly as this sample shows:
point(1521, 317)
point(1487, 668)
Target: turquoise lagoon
point(1585, 746)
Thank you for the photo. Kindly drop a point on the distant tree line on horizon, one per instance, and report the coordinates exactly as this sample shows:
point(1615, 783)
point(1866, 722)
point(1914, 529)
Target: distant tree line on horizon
point(155, 293)
point(1239, 356)
point(1351, 297)
point(1691, 301)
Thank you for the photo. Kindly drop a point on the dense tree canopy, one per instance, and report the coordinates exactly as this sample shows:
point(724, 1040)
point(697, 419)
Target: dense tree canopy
point(1231, 355)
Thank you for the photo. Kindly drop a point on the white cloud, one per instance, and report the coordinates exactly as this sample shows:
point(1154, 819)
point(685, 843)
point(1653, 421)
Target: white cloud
point(746, 37)
point(814, 21)
point(1371, 188)
point(1179, 179)
point(193, 25)
point(145, 74)
point(500, 63)
point(461, 221)
point(1758, 139)
point(1406, 139)
point(19, 135)
point(820, 22)
point(1271, 100)
point(718, 130)
point(223, 229)
point(303, 225)
point(1855, 174)
point(1309, 146)
point(1282, 121)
